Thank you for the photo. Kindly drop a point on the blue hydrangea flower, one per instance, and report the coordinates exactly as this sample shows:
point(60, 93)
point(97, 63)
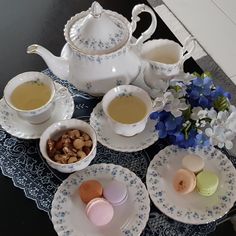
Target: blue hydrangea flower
point(199, 92)
point(186, 142)
point(167, 124)
point(160, 127)
point(219, 92)
point(202, 140)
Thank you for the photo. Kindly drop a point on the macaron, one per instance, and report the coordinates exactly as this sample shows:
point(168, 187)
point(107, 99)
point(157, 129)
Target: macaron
point(207, 183)
point(89, 190)
point(184, 181)
point(193, 163)
point(99, 211)
point(115, 192)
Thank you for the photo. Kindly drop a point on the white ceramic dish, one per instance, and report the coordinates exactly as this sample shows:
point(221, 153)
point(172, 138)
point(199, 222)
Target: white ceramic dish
point(107, 137)
point(14, 125)
point(68, 211)
point(191, 208)
point(55, 130)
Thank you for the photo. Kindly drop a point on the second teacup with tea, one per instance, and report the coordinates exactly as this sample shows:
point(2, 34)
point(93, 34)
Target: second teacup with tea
point(127, 109)
point(32, 95)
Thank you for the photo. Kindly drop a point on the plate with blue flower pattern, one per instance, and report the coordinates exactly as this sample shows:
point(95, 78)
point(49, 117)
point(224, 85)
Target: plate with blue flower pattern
point(130, 218)
point(14, 125)
point(191, 208)
point(107, 137)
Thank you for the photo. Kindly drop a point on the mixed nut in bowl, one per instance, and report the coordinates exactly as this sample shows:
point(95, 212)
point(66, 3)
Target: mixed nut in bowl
point(68, 145)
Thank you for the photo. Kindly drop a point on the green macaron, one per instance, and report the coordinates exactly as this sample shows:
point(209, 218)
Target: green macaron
point(207, 183)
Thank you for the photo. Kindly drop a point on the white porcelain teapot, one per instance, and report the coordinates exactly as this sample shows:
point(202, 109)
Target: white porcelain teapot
point(100, 50)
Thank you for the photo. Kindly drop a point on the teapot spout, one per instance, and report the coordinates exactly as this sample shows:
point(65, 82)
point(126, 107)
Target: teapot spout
point(58, 65)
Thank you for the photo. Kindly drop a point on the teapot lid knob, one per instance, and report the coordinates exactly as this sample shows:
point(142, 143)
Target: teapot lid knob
point(96, 9)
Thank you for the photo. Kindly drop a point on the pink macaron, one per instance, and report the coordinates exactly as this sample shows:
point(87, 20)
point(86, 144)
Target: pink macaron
point(115, 192)
point(99, 211)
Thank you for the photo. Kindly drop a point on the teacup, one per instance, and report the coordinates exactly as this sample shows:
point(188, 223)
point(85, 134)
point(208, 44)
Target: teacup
point(163, 59)
point(127, 109)
point(42, 104)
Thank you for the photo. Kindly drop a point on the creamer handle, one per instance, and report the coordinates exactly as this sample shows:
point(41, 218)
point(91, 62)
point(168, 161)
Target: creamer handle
point(135, 18)
point(187, 42)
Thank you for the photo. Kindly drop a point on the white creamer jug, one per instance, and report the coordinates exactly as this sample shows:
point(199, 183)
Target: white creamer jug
point(163, 59)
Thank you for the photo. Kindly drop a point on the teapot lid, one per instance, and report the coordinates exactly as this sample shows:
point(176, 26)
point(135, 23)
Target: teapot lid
point(97, 31)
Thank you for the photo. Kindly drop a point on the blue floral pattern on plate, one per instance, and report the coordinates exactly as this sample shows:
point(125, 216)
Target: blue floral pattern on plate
point(129, 218)
point(107, 137)
point(191, 208)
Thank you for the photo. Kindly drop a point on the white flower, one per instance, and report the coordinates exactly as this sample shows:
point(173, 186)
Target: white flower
point(202, 114)
point(218, 118)
point(194, 115)
point(181, 90)
point(212, 114)
point(169, 103)
point(220, 136)
point(231, 122)
point(176, 107)
point(160, 101)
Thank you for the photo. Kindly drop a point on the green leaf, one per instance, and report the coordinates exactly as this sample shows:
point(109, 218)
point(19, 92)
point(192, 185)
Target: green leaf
point(221, 103)
point(187, 113)
point(196, 74)
point(206, 74)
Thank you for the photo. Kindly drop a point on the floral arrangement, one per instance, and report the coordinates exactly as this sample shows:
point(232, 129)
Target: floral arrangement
point(192, 111)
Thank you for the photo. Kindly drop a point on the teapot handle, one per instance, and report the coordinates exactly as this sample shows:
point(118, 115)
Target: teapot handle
point(187, 42)
point(148, 33)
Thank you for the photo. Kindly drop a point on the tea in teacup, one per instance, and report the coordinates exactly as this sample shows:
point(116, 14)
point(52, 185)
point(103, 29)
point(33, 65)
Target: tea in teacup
point(30, 95)
point(127, 109)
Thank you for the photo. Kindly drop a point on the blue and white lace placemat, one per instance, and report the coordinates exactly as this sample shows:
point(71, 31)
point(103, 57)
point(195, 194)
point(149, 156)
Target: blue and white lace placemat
point(21, 161)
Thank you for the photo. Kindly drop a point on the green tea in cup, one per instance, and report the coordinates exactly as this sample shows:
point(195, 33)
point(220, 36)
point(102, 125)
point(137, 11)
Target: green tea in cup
point(127, 109)
point(30, 95)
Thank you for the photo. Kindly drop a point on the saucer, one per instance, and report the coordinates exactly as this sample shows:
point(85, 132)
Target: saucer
point(14, 125)
point(107, 137)
point(130, 218)
point(191, 208)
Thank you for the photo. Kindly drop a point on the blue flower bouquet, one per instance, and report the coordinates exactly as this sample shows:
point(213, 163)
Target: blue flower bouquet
point(194, 112)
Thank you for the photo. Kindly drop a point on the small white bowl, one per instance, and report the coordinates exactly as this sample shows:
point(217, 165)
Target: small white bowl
point(55, 131)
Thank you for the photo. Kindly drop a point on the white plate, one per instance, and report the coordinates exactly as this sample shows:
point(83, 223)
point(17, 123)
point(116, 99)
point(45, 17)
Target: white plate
point(191, 208)
point(68, 211)
point(14, 125)
point(107, 137)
